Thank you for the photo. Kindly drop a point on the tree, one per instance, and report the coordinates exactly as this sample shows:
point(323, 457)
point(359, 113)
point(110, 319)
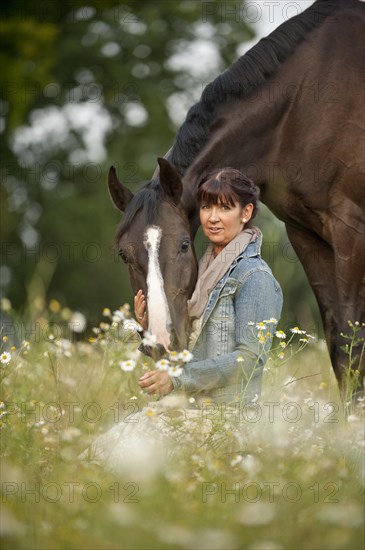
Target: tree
point(85, 86)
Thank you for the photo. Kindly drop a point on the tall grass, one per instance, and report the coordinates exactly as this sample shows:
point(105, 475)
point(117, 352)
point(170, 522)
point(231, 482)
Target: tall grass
point(285, 472)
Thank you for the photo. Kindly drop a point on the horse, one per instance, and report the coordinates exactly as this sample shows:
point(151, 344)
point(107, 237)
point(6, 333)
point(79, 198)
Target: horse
point(290, 114)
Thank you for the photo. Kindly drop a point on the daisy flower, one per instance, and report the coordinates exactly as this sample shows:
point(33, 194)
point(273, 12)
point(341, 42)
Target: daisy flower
point(131, 324)
point(296, 330)
point(163, 364)
point(5, 357)
point(175, 371)
point(261, 325)
point(185, 356)
point(174, 356)
point(118, 316)
point(280, 334)
point(77, 323)
point(128, 365)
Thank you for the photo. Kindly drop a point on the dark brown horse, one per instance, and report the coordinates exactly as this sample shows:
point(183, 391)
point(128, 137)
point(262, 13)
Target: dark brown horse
point(290, 114)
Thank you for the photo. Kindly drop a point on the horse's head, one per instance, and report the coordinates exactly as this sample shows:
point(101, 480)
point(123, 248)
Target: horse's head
point(154, 239)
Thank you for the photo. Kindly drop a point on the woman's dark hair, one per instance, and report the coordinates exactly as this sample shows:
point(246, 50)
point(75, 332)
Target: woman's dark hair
point(229, 186)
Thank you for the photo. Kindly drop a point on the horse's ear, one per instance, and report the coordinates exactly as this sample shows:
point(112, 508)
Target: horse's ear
point(120, 195)
point(170, 180)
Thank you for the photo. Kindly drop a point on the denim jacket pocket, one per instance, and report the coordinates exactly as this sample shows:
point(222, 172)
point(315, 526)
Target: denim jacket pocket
point(224, 313)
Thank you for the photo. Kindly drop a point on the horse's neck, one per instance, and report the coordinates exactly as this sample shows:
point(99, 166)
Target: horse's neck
point(244, 136)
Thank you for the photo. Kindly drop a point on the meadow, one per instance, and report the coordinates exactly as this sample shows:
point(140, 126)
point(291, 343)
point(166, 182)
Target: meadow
point(285, 472)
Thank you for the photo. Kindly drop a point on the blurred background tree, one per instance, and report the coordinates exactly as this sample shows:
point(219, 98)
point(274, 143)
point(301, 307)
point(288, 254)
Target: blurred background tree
point(86, 85)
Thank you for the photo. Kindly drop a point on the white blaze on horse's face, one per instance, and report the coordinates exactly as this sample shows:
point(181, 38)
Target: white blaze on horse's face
point(159, 320)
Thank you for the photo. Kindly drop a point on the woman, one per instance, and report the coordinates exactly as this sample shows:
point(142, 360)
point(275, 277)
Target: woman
point(235, 291)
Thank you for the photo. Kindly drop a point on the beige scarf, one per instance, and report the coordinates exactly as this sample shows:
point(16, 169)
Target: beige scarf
point(212, 269)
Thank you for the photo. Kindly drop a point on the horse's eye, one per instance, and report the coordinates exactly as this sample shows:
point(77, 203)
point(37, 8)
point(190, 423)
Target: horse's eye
point(123, 255)
point(185, 245)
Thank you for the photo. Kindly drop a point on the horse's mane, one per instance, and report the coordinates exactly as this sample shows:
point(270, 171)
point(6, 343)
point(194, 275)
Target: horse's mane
point(243, 78)
point(148, 198)
point(239, 81)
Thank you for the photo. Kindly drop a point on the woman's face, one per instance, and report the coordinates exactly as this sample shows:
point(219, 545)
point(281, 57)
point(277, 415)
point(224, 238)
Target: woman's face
point(223, 222)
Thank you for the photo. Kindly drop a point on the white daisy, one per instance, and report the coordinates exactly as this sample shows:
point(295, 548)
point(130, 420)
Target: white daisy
point(5, 357)
point(163, 364)
point(174, 356)
point(296, 330)
point(185, 356)
point(131, 324)
point(128, 365)
point(118, 316)
point(175, 371)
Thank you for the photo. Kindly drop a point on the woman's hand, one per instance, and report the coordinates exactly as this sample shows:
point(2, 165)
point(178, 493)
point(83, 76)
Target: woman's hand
point(156, 382)
point(140, 310)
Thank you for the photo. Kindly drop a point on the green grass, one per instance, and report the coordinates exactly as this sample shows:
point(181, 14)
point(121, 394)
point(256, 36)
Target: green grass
point(292, 478)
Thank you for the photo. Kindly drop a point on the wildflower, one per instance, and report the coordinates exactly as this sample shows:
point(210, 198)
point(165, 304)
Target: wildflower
point(281, 355)
point(236, 460)
point(280, 334)
point(118, 316)
point(149, 339)
point(5, 338)
point(65, 346)
point(128, 365)
point(131, 324)
point(91, 340)
point(54, 306)
point(304, 340)
point(174, 356)
point(282, 345)
point(150, 411)
point(262, 339)
point(26, 345)
point(13, 348)
point(5, 304)
point(66, 313)
point(77, 322)
point(296, 330)
point(175, 371)
point(104, 326)
point(107, 312)
point(251, 323)
point(240, 359)
point(261, 325)
point(96, 330)
point(5, 357)
point(163, 364)
point(185, 356)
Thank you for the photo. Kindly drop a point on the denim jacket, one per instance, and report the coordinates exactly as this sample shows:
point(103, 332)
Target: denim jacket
point(228, 358)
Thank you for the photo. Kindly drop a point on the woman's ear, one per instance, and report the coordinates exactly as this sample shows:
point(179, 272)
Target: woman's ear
point(247, 212)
